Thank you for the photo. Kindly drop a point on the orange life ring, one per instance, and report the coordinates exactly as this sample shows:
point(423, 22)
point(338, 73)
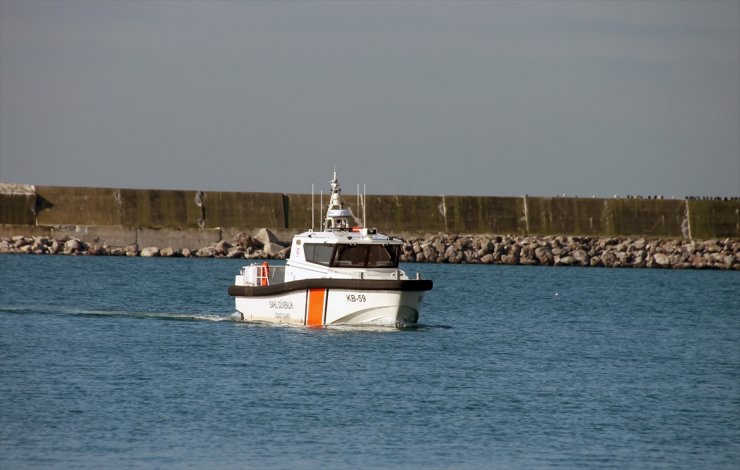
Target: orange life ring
point(265, 274)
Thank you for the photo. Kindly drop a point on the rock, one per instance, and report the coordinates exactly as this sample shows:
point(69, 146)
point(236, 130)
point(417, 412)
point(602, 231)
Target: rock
point(187, 253)
point(272, 249)
point(236, 252)
point(207, 252)
point(608, 258)
point(117, 251)
point(131, 250)
point(265, 236)
point(150, 251)
point(526, 256)
point(72, 246)
point(661, 259)
point(640, 244)
point(244, 240)
point(20, 241)
point(429, 253)
point(564, 261)
point(257, 254)
point(6, 247)
point(56, 246)
point(581, 257)
point(168, 252)
point(544, 255)
point(622, 257)
point(487, 259)
point(222, 247)
point(96, 250)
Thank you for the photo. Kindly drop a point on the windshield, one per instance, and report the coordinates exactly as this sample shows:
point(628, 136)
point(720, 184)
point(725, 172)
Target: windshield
point(319, 254)
point(366, 256)
point(353, 256)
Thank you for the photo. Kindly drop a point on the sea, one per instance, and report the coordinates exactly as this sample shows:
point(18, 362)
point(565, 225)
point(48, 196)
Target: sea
point(114, 362)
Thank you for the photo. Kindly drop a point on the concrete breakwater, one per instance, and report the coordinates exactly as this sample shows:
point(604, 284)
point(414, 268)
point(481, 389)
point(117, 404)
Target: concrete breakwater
point(127, 216)
point(444, 248)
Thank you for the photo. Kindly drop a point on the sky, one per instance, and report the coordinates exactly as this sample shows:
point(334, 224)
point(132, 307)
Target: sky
point(491, 98)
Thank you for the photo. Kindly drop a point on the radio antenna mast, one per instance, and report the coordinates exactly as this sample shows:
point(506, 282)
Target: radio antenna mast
point(312, 216)
point(364, 207)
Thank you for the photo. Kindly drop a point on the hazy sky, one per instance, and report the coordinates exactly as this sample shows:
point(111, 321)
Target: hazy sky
point(425, 97)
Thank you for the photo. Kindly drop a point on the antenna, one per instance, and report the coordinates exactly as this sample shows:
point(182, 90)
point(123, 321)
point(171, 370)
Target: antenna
point(364, 208)
point(312, 216)
point(358, 197)
point(321, 206)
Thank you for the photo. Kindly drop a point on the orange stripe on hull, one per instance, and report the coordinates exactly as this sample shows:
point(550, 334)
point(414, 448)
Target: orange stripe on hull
point(316, 298)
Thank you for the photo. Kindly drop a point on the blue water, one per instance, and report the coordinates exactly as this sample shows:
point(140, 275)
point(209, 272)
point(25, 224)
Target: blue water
point(135, 363)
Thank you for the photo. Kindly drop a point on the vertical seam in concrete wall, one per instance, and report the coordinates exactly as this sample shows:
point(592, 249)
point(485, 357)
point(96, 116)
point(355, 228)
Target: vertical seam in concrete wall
point(286, 211)
point(688, 220)
point(200, 202)
point(35, 206)
point(526, 215)
point(444, 211)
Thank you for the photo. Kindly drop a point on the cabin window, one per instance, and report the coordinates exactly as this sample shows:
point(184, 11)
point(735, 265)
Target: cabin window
point(318, 253)
point(366, 256)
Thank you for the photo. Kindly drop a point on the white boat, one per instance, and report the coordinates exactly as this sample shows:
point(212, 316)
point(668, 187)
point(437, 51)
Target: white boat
point(344, 274)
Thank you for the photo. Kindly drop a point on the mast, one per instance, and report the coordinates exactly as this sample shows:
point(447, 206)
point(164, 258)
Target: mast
point(337, 216)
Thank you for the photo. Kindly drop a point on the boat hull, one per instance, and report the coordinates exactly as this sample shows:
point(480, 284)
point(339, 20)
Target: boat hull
point(332, 303)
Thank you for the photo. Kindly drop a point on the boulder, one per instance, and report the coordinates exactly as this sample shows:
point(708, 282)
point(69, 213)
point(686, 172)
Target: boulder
point(265, 236)
point(222, 247)
point(168, 252)
point(564, 260)
point(608, 258)
point(244, 240)
point(150, 251)
point(236, 252)
point(544, 255)
point(72, 245)
point(662, 259)
point(581, 257)
point(96, 250)
point(206, 252)
point(272, 249)
point(526, 255)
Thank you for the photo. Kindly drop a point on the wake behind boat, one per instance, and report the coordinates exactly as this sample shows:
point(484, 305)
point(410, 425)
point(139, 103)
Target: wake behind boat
point(344, 274)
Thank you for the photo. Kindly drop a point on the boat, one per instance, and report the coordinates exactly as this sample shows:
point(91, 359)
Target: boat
point(343, 274)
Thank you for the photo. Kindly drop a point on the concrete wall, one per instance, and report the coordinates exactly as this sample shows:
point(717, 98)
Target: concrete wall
point(612, 217)
point(194, 216)
point(17, 204)
point(714, 219)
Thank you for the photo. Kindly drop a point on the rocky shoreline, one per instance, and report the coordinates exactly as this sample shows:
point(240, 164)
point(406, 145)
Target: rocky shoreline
point(575, 251)
point(443, 248)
